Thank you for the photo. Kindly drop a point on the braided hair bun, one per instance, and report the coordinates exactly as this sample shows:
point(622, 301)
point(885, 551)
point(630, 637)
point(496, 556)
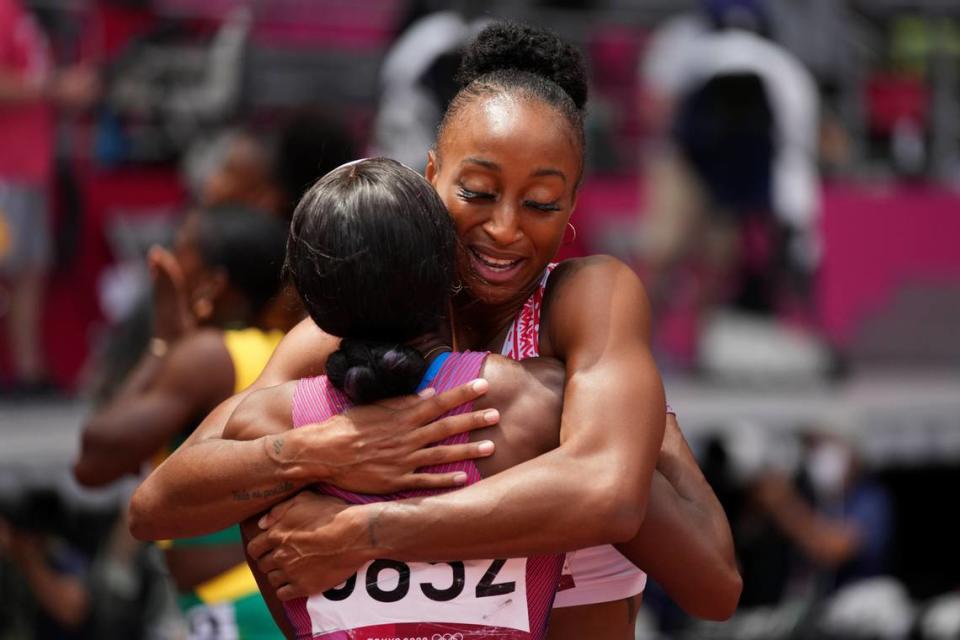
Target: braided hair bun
point(509, 46)
point(368, 371)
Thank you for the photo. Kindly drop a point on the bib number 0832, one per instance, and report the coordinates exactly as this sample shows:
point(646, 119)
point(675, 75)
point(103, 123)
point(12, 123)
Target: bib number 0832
point(486, 587)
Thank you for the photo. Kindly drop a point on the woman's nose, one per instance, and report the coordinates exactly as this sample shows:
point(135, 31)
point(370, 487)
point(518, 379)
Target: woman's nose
point(503, 227)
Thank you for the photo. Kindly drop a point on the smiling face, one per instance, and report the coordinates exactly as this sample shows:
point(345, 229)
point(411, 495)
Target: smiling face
point(507, 169)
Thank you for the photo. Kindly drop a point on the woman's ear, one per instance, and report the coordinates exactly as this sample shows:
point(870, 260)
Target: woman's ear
point(433, 168)
point(212, 286)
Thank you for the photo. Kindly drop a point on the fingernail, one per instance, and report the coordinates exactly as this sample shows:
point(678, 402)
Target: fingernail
point(427, 393)
point(460, 478)
point(479, 385)
point(262, 522)
point(490, 416)
point(485, 447)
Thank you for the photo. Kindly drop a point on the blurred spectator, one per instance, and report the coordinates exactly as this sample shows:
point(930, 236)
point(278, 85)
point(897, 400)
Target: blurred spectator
point(417, 82)
point(813, 534)
point(243, 175)
point(30, 90)
point(209, 342)
point(740, 113)
point(269, 170)
point(85, 576)
point(247, 166)
point(841, 522)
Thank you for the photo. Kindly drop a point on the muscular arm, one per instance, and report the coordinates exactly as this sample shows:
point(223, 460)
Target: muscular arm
point(195, 490)
point(159, 400)
point(697, 568)
point(593, 489)
point(699, 571)
point(212, 481)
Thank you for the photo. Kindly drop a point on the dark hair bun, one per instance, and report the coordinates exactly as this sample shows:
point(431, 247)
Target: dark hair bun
point(507, 45)
point(368, 371)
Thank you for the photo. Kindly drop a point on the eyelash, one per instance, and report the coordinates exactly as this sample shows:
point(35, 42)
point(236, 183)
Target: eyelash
point(469, 195)
point(546, 208)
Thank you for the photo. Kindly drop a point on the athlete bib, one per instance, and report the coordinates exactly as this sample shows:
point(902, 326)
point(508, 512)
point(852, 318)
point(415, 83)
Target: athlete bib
point(392, 600)
point(410, 597)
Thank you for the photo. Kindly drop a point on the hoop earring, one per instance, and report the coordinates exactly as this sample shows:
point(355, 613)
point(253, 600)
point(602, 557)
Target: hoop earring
point(566, 242)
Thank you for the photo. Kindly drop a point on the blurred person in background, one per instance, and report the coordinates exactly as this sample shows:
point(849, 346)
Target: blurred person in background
point(30, 91)
point(812, 528)
point(417, 83)
point(251, 167)
point(270, 171)
point(85, 577)
point(734, 183)
point(839, 518)
point(210, 341)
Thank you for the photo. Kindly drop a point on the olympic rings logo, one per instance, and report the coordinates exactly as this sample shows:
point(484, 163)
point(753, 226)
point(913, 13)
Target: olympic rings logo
point(447, 636)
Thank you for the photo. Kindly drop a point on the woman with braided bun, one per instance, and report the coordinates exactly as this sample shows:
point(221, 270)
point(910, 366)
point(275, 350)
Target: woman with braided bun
point(369, 223)
point(507, 165)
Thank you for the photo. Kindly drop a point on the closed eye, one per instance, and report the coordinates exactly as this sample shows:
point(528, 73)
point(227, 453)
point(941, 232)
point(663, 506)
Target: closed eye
point(468, 195)
point(542, 206)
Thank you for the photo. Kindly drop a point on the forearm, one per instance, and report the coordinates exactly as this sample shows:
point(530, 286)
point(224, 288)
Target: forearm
point(143, 375)
point(681, 547)
point(704, 512)
point(113, 442)
point(829, 543)
point(248, 530)
point(207, 486)
point(554, 503)
point(237, 463)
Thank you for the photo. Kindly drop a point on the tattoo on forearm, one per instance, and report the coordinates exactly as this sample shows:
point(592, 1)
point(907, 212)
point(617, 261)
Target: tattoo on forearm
point(257, 494)
point(277, 445)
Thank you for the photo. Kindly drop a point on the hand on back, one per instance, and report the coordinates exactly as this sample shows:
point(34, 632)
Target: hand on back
point(379, 448)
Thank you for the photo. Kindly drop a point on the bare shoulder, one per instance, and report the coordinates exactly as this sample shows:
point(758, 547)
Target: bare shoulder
point(263, 412)
point(529, 396)
point(593, 297)
point(506, 375)
point(528, 386)
point(593, 276)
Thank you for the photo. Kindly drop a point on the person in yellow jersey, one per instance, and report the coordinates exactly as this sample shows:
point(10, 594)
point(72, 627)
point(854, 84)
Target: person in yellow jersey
point(211, 295)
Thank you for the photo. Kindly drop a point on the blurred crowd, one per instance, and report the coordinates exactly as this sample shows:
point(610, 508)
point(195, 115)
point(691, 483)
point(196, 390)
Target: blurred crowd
point(155, 150)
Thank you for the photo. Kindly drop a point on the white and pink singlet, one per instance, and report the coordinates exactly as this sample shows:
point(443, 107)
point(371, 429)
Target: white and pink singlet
point(506, 598)
point(597, 574)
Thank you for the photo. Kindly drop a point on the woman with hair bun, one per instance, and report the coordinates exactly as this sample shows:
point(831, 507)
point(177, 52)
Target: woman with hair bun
point(507, 165)
point(359, 237)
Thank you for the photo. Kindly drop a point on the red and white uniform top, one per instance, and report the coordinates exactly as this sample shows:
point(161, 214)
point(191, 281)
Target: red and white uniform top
point(506, 598)
point(596, 574)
